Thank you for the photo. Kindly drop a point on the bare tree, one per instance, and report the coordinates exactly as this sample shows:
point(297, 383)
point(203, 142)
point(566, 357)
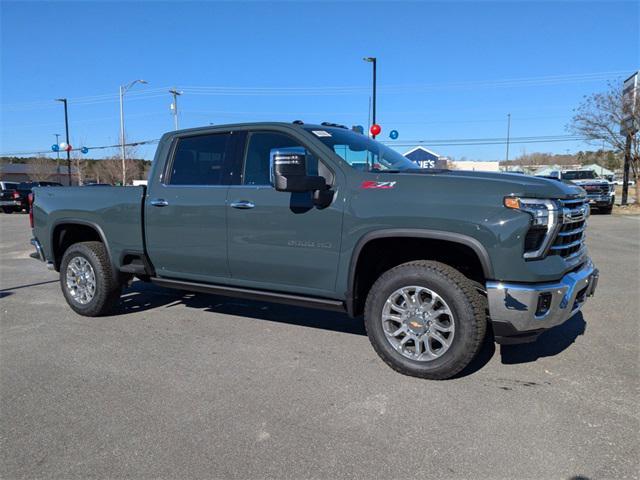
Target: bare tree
point(598, 118)
point(40, 169)
point(109, 170)
point(78, 161)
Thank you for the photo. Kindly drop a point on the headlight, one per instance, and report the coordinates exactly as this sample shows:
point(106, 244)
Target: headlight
point(544, 223)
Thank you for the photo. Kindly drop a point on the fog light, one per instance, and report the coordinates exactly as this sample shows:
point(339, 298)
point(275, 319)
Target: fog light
point(544, 303)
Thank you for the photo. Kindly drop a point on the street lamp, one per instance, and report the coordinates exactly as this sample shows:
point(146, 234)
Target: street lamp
point(373, 61)
point(123, 90)
point(66, 127)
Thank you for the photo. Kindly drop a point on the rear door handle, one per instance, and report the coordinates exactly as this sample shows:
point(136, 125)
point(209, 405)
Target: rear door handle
point(159, 202)
point(243, 204)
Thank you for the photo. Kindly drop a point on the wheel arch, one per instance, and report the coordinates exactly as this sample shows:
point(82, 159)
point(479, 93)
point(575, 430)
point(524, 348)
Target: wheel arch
point(354, 303)
point(66, 232)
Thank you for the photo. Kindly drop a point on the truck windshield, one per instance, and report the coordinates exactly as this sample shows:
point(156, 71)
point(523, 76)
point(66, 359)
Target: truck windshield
point(579, 175)
point(361, 152)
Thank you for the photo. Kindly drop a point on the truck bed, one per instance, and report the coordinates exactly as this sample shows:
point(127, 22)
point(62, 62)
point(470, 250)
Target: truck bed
point(115, 212)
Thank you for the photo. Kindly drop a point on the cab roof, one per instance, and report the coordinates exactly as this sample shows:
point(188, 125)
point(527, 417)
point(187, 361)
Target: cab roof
point(231, 126)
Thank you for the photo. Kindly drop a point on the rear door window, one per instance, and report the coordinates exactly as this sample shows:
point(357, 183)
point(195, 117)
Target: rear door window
point(202, 160)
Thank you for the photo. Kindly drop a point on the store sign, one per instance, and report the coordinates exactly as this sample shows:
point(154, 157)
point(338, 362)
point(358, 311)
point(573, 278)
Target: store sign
point(630, 102)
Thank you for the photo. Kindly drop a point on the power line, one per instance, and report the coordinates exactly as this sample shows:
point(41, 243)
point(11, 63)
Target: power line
point(496, 142)
point(406, 143)
point(331, 90)
point(100, 147)
point(531, 137)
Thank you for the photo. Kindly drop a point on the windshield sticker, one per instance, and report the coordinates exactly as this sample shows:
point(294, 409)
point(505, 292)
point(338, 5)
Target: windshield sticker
point(321, 133)
point(378, 185)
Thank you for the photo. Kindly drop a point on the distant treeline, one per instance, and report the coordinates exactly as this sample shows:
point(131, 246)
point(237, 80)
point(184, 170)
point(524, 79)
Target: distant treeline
point(605, 158)
point(63, 157)
point(107, 170)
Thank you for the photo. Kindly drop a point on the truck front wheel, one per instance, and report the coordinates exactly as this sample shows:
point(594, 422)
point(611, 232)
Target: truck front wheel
point(87, 279)
point(425, 319)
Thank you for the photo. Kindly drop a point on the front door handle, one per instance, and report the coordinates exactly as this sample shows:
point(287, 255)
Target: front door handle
point(159, 202)
point(243, 204)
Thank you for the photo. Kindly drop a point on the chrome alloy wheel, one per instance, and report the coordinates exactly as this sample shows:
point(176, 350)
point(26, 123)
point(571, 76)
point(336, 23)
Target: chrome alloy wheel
point(81, 280)
point(418, 323)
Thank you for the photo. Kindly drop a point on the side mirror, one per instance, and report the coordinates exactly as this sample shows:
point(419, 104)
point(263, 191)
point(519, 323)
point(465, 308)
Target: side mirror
point(289, 171)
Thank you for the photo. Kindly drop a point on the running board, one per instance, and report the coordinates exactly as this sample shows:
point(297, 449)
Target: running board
point(262, 295)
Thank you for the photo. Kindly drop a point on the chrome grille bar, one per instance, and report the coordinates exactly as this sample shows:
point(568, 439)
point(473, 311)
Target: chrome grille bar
point(568, 233)
point(574, 211)
point(568, 245)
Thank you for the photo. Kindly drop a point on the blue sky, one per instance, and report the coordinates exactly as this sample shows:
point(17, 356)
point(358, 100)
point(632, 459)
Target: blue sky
point(445, 70)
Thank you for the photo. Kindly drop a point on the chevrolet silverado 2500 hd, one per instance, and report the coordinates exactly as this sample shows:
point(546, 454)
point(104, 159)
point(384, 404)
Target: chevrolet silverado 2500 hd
point(322, 216)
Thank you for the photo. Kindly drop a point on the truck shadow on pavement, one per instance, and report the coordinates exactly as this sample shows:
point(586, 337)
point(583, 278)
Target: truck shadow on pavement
point(144, 296)
point(548, 344)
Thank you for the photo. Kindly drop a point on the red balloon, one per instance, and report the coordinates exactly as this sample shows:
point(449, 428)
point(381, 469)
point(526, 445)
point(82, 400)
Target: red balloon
point(69, 148)
point(375, 129)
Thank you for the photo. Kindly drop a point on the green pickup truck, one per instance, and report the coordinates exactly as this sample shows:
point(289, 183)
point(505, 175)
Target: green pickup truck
point(325, 217)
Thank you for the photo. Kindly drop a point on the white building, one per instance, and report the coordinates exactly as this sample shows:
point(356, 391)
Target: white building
point(475, 166)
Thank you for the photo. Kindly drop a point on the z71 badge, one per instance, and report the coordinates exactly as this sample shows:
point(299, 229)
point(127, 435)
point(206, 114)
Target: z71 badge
point(379, 185)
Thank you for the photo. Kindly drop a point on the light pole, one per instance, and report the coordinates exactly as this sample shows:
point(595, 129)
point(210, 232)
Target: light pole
point(373, 60)
point(66, 129)
point(123, 90)
point(174, 106)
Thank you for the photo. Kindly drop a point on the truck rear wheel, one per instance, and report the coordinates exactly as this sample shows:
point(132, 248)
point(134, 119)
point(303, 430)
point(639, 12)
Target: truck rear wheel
point(425, 319)
point(87, 279)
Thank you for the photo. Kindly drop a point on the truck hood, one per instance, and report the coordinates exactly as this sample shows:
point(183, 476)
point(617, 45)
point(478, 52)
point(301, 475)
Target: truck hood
point(499, 183)
point(592, 181)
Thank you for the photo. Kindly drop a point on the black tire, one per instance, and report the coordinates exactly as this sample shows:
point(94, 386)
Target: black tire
point(606, 210)
point(467, 305)
point(107, 288)
point(7, 209)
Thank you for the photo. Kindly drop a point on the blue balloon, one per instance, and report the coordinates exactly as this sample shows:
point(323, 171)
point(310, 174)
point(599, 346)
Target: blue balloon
point(55, 147)
point(84, 150)
point(393, 134)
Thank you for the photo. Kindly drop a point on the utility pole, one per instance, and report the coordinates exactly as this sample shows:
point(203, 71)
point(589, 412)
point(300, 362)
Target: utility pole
point(66, 128)
point(508, 134)
point(373, 60)
point(174, 106)
point(123, 90)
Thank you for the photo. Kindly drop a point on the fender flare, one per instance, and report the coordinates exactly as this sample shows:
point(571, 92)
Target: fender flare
point(453, 237)
point(86, 223)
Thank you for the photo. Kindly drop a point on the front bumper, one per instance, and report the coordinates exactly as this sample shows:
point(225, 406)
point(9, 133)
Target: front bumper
point(600, 200)
point(10, 203)
point(520, 312)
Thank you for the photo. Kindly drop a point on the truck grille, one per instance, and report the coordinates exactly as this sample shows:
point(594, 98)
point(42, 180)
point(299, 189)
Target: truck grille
point(569, 240)
point(597, 190)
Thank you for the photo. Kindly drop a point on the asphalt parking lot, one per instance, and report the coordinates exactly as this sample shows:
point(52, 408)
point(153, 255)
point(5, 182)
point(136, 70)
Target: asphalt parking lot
point(188, 385)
